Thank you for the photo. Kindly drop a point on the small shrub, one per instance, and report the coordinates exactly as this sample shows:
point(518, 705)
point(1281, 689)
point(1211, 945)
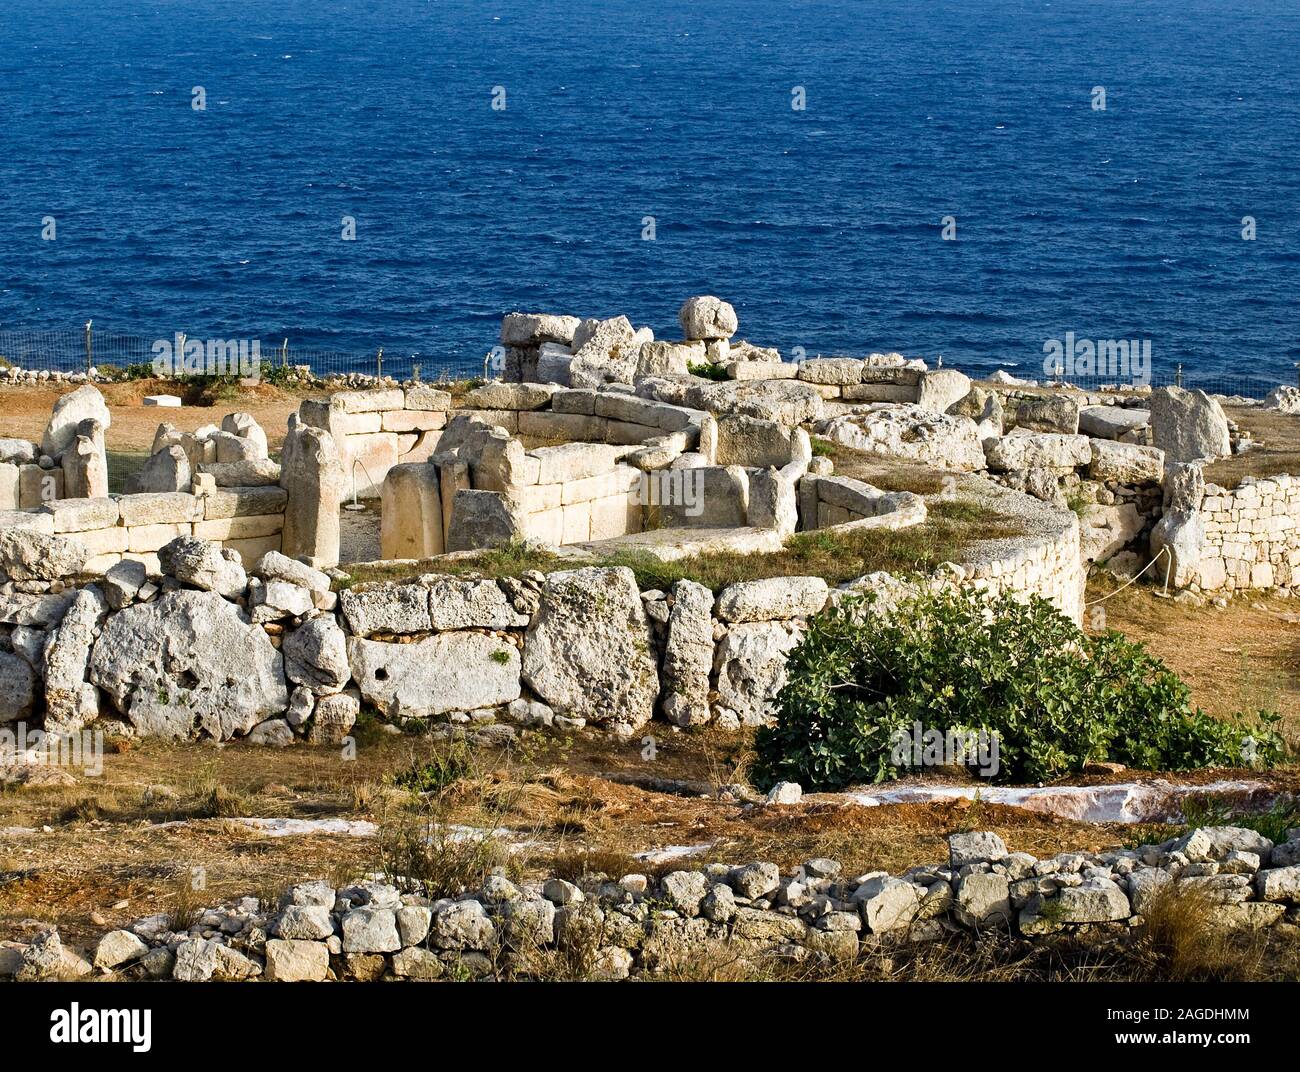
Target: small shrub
point(707, 370)
point(1054, 698)
point(443, 769)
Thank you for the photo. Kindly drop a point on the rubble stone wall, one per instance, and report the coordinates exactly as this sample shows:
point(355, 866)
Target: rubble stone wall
point(612, 927)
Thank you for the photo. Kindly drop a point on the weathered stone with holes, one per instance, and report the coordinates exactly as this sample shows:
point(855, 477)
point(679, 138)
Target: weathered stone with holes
point(587, 653)
point(750, 664)
point(316, 655)
point(70, 701)
point(1055, 414)
point(188, 661)
point(28, 555)
point(333, 718)
point(907, 431)
point(17, 687)
point(1125, 463)
point(443, 673)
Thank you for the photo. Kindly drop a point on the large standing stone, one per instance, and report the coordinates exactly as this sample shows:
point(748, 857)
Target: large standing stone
point(1188, 425)
point(312, 473)
point(707, 317)
point(70, 700)
point(411, 518)
point(688, 655)
point(448, 672)
point(1178, 539)
point(189, 661)
point(587, 653)
point(69, 411)
point(165, 470)
point(84, 463)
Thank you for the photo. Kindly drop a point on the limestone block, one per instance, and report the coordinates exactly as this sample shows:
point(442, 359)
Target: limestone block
point(37, 486)
point(457, 671)
point(414, 420)
point(246, 527)
point(234, 502)
point(573, 461)
point(313, 476)
point(79, 515)
point(411, 522)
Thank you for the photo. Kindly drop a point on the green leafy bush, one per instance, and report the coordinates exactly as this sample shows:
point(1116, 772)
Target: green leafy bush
point(707, 370)
point(966, 662)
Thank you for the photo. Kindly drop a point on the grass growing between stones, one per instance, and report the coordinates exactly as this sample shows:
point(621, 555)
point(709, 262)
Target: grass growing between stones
point(953, 525)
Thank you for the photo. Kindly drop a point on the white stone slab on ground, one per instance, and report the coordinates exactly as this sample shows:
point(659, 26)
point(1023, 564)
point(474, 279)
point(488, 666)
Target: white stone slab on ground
point(161, 400)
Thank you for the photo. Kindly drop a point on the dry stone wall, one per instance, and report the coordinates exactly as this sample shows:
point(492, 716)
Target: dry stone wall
point(615, 926)
point(1251, 535)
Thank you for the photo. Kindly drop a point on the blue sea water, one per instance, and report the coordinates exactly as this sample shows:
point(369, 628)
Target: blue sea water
point(822, 226)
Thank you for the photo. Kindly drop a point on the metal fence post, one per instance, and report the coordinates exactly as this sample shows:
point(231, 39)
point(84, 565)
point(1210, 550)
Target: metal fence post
point(89, 348)
point(379, 364)
point(1178, 376)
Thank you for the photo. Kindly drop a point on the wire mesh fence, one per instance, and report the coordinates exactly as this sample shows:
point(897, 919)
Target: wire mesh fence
point(76, 350)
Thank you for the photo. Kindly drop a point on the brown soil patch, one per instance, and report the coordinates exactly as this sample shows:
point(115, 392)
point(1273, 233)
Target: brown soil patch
point(1277, 436)
point(24, 411)
point(1238, 658)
